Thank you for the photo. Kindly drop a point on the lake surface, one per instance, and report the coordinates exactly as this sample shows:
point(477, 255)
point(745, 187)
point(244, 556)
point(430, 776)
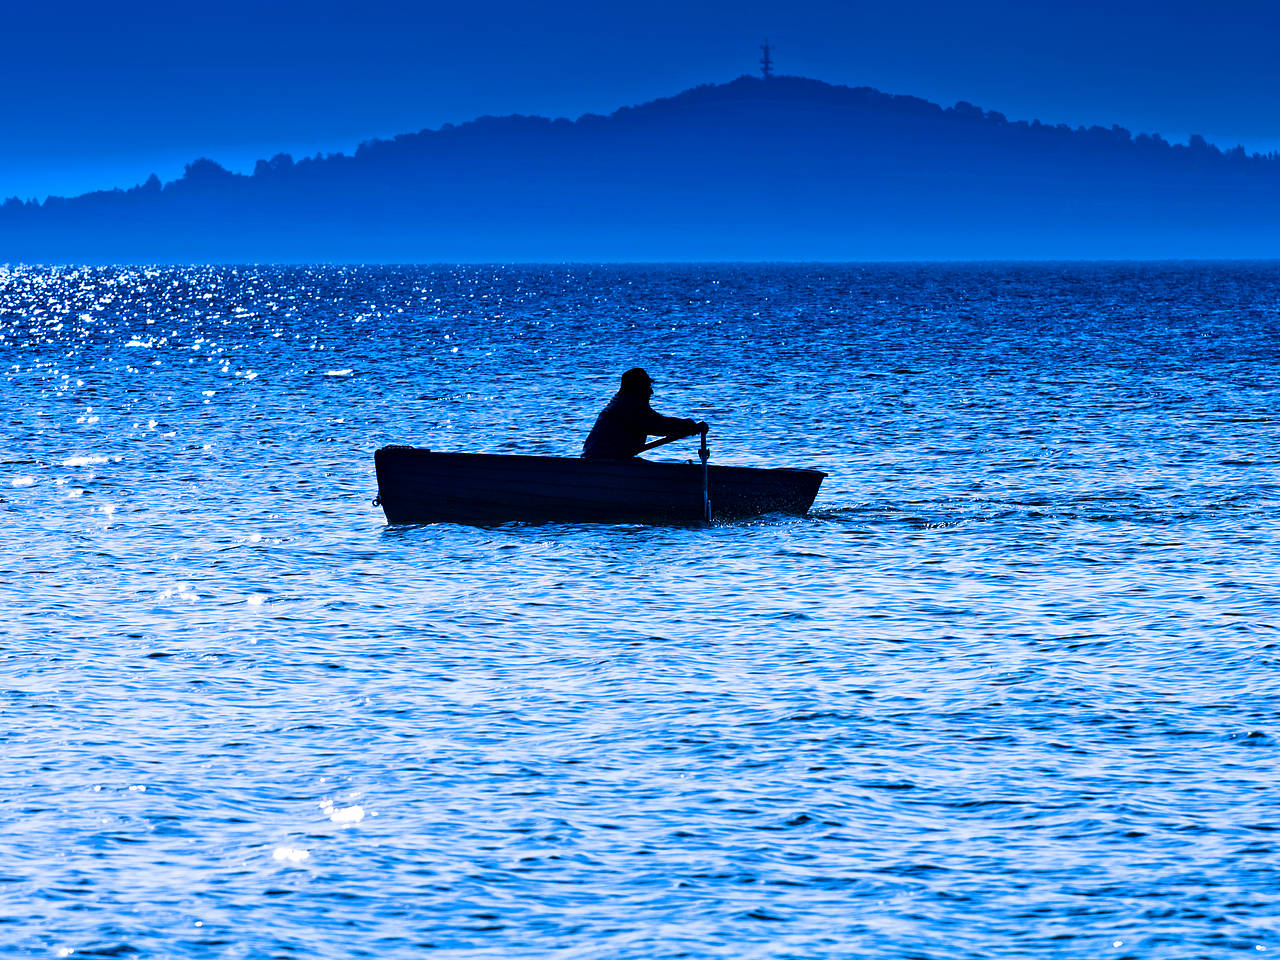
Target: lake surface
point(1010, 690)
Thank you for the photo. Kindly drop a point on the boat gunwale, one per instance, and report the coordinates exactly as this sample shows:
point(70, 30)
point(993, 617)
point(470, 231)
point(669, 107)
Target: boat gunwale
point(625, 462)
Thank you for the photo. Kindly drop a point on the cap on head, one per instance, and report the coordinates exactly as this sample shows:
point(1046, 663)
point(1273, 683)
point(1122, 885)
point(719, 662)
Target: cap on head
point(636, 379)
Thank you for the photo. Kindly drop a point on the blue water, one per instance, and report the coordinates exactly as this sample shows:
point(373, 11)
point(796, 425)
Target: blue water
point(1010, 690)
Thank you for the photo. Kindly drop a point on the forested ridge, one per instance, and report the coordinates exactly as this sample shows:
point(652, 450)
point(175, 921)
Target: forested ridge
point(784, 168)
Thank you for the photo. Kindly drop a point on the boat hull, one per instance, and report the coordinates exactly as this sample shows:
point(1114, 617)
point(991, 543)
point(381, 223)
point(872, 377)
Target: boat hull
point(420, 486)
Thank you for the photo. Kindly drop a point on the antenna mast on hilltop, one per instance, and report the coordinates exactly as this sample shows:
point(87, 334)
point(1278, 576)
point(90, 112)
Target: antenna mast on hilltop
point(766, 64)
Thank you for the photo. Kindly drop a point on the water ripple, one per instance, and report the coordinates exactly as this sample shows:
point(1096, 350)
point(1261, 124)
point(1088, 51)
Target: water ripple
point(1008, 691)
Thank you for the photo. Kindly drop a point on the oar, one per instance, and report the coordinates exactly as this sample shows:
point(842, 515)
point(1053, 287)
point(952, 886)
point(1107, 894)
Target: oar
point(658, 443)
point(705, 454)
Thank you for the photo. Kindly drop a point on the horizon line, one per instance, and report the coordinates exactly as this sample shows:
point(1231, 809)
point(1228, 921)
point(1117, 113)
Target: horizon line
point(302, 264)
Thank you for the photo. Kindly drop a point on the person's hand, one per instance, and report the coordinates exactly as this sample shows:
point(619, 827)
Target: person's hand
point(699, 427)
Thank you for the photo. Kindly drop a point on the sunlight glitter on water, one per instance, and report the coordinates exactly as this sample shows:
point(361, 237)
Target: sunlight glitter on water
point(1009, 691)
point(86, 461)
point(343, 815)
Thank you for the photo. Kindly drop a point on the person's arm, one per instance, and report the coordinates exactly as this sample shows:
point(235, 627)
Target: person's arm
point(656, 425)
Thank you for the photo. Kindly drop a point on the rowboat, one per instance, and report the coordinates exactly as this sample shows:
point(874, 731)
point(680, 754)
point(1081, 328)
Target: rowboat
point(416, 485)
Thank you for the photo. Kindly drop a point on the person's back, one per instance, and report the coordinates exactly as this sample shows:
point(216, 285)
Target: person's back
point(624, 425)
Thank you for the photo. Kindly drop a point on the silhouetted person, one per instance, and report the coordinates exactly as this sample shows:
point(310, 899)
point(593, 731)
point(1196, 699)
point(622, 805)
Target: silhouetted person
point(628, 420)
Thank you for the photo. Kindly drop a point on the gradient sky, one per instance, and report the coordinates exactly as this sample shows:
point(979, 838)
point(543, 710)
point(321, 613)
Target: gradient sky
point(103, 96)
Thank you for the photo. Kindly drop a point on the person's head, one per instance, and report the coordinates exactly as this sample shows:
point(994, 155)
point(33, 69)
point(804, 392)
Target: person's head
point(636, 380)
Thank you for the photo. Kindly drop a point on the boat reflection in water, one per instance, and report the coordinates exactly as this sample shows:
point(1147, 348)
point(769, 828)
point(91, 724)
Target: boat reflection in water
point(416, 485)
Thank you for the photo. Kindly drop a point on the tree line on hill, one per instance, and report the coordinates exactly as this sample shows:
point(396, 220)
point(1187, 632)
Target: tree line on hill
point(783, 168)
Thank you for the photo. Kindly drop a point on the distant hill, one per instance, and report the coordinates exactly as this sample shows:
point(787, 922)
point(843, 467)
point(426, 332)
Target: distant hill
point(779, 169)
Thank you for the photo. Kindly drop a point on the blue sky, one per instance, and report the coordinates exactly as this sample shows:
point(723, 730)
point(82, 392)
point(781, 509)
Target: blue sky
point(103, 96)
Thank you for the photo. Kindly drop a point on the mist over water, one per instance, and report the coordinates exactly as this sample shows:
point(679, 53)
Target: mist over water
point(1010, 689)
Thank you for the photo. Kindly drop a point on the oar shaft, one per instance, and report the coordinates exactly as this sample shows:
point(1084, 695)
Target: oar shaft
point(658, 443)
point(705, 454)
